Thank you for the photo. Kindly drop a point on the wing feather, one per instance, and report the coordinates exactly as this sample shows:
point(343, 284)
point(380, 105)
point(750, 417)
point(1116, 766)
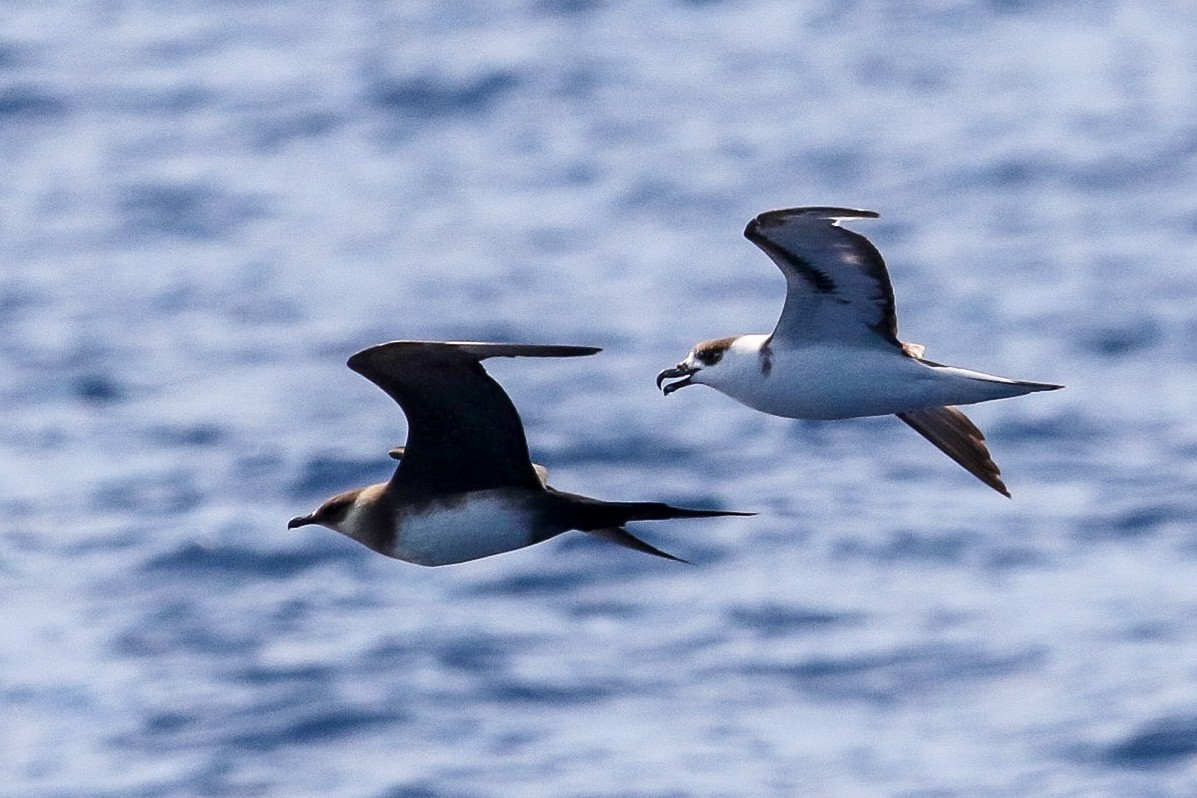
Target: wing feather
point(959, 438)
point(837, 286)
point(464, 433)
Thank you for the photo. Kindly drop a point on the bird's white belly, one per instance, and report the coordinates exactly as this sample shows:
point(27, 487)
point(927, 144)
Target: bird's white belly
point(838, 382)
point(476, 525)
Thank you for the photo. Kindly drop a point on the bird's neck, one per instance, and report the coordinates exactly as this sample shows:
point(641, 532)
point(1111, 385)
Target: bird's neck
point(371, 520)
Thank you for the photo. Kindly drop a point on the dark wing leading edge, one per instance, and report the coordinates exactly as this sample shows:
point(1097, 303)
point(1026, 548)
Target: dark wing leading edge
point(837, 286)
point(464, 433)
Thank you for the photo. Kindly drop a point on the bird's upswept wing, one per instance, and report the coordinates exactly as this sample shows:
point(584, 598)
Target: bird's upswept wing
point(464, 433)
point(837, 286)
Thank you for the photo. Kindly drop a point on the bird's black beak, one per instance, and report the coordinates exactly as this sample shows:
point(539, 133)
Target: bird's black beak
point(680, 370)
point(302, 520)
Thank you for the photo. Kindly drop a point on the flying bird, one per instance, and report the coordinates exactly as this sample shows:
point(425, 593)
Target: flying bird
point(835, 351)
point(465, 487)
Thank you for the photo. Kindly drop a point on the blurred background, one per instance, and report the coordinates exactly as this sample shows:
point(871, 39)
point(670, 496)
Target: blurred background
point(206, 207)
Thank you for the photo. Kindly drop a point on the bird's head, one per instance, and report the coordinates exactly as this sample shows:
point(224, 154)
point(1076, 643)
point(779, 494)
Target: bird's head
point(360, 514)
point(336, 514)
point(696, 368)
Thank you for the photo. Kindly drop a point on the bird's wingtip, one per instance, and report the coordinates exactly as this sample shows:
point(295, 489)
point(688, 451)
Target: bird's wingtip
point(452, 351)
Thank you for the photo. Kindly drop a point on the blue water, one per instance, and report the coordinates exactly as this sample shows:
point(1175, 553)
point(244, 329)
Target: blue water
point(205, 207)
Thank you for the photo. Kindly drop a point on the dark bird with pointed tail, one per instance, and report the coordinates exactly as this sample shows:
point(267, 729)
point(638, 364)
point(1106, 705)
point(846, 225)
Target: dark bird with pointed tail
point(465, 486)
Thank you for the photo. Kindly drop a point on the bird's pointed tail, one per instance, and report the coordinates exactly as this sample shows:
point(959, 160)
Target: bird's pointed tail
point(607, 519)
point(622, 537)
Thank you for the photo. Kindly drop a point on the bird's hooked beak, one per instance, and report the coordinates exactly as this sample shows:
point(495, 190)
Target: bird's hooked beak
point(302, 520)
point(680, 370)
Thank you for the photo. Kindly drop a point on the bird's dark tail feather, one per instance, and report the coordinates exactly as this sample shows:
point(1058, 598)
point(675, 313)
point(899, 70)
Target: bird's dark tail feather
point(596, 514)
point(622, 537)
point(607, 519)
point(1034, 387)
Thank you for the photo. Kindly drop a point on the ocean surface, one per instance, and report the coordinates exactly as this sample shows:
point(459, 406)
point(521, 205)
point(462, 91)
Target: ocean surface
point(206, 207)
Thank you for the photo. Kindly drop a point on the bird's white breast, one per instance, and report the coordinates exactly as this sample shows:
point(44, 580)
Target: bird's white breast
point(468, 527)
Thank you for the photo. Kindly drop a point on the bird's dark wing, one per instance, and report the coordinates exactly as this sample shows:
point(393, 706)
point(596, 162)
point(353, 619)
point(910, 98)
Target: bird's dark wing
point(542, 473)
point(837, 286)
point(464, 434)
point(957, 437)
